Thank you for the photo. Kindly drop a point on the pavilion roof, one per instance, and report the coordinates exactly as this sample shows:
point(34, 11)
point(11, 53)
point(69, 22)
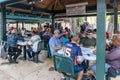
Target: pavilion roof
point(48, 7)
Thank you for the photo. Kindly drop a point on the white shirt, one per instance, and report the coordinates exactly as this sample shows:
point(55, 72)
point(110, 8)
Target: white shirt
point(23, 32)
point(34, 42)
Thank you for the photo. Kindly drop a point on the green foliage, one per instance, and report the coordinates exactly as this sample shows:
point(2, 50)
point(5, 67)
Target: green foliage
point(79, 21)
point(108, 18)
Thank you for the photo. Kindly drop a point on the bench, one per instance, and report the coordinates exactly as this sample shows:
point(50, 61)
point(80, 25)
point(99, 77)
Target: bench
point(39, 48)
point(48, 51)
point(65, 65)
point(109, 78)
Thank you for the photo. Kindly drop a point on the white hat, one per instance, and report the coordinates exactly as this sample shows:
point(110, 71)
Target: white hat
point(56, 31)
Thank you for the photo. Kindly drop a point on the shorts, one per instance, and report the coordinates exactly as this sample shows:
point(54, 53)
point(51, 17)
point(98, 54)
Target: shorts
point(78, 68)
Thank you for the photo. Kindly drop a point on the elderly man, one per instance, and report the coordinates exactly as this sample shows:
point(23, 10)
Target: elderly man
point(12, 44)
point(74, 51)
point(32, 45)
point(89, 40)
point(112, 57)
point(55, 43)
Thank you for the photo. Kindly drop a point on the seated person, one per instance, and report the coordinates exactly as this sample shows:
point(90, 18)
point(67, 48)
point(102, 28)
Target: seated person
point(65, 39)
point(32, 44)
point(73, 51)
point(112, 57)
point(55, 43)
point(89, 40)
point(12, 39)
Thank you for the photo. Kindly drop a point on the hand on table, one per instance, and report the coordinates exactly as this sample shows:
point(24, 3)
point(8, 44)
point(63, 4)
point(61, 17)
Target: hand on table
point(94, 52)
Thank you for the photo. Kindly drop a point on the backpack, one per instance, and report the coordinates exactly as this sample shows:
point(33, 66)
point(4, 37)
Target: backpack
point(112, 72)
point(91, 78)
point(3, 54)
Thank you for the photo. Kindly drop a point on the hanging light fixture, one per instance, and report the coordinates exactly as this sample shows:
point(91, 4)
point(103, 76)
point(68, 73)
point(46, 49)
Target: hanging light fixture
point(32, 3)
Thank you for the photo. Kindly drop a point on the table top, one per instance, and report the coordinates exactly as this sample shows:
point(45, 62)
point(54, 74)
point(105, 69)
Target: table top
point(88, 53)
point(22, 43)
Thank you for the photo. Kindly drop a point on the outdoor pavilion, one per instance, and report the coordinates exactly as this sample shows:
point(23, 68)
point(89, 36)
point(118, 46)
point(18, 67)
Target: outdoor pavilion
point(51, 9)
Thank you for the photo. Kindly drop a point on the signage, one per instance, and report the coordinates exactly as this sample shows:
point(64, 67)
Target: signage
point(76, 9)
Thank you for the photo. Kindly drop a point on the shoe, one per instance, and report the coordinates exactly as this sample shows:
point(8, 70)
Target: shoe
point(7, 57)
point(14, 61)
point(63, 78)
point(92, 77)
point(51, 69)
point(30, 59)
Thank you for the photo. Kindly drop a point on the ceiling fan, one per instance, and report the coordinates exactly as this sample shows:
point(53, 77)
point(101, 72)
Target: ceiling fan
point(32, 3)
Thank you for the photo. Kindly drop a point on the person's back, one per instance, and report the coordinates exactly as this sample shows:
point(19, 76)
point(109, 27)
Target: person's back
point(35, 38)
point(113, 58)
point(88, 42)
point(34, 41)
point(72, 50)
point(12, 40)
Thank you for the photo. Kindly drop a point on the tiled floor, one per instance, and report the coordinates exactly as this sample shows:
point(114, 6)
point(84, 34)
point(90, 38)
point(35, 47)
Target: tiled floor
point(28, 70)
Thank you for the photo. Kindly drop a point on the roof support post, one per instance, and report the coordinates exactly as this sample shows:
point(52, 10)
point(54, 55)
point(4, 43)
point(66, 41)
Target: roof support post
point(22, 24)
point(17, 25)
point(3, 22)
point(101, 23)
point(115, 19)
point(53, 22)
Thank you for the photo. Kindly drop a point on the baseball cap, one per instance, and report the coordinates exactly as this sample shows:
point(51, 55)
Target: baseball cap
point(89, 31)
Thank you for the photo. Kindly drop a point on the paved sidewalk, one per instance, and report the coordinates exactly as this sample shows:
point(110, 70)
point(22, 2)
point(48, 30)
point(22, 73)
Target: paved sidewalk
point(28, 70)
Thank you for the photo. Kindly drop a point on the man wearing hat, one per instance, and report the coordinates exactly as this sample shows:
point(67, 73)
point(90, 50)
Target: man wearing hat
point(54, 42)
point(89, 40)
point(12, 44)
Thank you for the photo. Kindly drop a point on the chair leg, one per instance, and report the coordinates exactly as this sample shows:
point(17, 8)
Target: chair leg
point(36, 59)
point(10, 59)
point(67, 78)
point(108, 77)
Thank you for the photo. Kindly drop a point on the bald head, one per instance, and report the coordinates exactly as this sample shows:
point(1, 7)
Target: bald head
point(116, 39)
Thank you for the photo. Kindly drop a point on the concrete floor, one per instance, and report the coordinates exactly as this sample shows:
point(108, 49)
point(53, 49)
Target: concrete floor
point(28, 70)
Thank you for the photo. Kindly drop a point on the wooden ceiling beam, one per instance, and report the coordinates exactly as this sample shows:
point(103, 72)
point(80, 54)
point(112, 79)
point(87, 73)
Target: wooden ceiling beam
point(88, 8)
point(11, 2)
point(26, 7)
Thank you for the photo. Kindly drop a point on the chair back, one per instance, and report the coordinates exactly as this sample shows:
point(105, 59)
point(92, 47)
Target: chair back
point(39, 46)
point(63, 64)
point(48, 50)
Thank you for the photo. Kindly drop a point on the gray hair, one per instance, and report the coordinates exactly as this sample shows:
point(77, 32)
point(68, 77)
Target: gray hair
point(75, 39)
point(56, 31)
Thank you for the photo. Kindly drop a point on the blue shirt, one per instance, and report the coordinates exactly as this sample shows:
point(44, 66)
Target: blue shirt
point(65, 40)
point(12, 40)
point(72, 50)
point(56, 42)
